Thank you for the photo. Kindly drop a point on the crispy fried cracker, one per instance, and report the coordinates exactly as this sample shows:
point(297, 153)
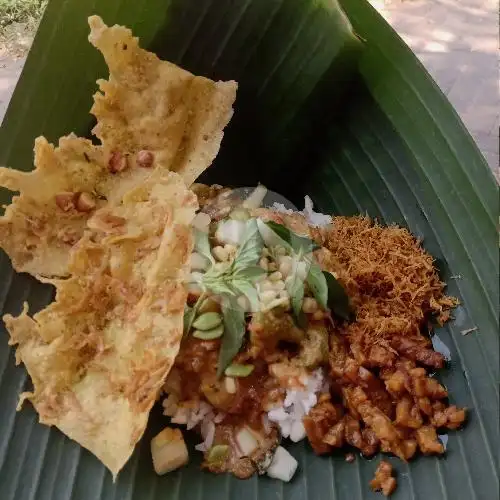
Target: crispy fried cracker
point(35, 232)
point(149, 104)
point(99, 354)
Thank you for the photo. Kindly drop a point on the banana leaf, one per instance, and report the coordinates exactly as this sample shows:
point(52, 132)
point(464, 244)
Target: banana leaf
point(331, 103)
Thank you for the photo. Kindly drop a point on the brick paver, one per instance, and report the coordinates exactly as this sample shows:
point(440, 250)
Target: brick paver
point(10, 69)
point(457, 41)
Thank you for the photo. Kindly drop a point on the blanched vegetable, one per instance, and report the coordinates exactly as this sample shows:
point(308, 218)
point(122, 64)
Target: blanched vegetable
point(246, 441)
point(212, 334)
point(237, 370)
point(168, 450)
point(239, 214)
point(218, 453)
point(230, 231)
point(283, 465)
point(256, 197)
point(207, 321)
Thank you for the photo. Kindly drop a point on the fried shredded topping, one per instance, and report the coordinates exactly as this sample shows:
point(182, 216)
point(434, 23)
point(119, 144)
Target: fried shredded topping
point(393, 285)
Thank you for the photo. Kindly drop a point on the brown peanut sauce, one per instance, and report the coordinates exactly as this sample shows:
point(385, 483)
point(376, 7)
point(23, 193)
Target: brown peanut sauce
point(197, 364)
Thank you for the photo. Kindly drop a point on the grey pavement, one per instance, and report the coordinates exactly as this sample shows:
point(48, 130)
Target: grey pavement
point(457, 42)
point(10, 69)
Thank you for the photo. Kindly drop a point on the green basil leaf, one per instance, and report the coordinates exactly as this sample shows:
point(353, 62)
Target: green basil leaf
point(302, 320)
point(250, 250)
point(295, 288)
point(298, 243)
point(202, 244)
point(237, 370)
point(247, 289)
point(189, 314)
point(318, 285)
point(219, 286)
point(249, 273)
point(338, 300)
point(234, 332)
point(217, 273)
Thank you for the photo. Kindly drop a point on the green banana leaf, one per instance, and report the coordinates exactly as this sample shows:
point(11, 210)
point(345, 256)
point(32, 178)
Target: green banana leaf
point(361, 127)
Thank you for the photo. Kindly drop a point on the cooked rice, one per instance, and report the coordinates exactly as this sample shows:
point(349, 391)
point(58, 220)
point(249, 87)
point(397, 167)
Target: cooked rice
point(315, 219)
point(192, 414)
point(297, 404)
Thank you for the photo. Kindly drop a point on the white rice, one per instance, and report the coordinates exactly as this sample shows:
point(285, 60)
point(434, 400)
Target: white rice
point(298, 404)
point(315, 219)
point(202, 413)
point(208, 434)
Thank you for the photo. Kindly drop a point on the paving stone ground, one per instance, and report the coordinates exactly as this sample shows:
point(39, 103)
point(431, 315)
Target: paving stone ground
point(10, 70)
point(456, 40)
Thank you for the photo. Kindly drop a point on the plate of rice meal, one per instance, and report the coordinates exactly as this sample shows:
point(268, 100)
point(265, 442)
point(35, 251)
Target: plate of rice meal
point(210, 339)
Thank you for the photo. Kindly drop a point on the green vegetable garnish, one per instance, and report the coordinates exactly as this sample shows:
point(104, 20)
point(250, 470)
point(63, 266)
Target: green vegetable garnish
point(218, 453)
point(296, 243)
point(238, 277)
point(295, 288)
point(229, 282)
point(207, 321)
point(202, 245)
point(237, 370)
point(318, 284)
point(250, 250)
point(190, 314)
point(338, 300)
point(215, 333)
point(239, 214)
point(234, 332)
point(326, 289)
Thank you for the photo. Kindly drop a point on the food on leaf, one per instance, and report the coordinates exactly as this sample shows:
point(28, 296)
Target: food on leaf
point(256, 323)
point(169, 451)
point(383, 480)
